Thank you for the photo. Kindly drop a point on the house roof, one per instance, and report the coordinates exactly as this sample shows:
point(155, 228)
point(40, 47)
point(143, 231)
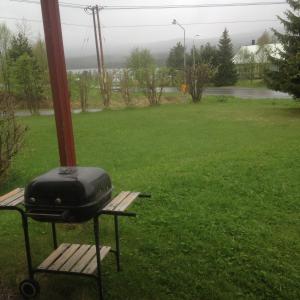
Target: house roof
point(257, 54)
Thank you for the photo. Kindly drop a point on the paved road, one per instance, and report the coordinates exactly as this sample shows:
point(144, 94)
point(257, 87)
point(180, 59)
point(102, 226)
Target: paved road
point(247, 93)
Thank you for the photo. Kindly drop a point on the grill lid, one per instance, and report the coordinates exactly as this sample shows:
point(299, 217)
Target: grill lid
point(80, 190)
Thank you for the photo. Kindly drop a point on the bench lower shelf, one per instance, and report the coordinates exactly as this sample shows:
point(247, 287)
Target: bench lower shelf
point(74, 259)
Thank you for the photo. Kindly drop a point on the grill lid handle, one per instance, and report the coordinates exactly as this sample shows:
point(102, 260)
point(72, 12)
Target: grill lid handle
point(64, 216)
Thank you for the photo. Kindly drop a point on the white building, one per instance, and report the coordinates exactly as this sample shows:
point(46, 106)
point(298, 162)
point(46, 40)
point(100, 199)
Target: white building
point(251, 61)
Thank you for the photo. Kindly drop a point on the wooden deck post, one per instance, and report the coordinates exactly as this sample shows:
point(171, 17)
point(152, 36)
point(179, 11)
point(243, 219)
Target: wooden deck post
point(59, 82)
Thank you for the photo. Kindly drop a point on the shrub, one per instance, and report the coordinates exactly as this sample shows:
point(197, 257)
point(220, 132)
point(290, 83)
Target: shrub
point(11, 134)
point(198, 77)
point(153, 81)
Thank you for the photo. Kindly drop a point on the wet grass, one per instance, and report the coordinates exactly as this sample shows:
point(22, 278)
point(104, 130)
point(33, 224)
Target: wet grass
point(224, 219)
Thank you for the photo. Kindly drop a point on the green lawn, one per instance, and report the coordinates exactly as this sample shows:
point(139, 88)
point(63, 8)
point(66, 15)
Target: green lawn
point(224, 219)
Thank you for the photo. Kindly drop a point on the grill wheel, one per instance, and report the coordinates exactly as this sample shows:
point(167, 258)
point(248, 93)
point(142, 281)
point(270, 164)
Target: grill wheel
point(29, 288)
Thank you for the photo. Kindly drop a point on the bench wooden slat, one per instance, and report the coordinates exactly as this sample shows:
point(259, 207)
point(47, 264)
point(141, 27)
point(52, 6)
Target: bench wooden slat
point(12, 193)
point(7, 200)
point(83, 262)
point(127, 201)
point(75, 258)
point(53, 256)
point(64, 257)
point(116, 201)
point(91, 268)
point(16, 202)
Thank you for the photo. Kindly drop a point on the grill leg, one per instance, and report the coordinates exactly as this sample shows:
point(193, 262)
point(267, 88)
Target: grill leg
point(97, 244)
point(117, 239)
point(54, 235)
point(27, 246)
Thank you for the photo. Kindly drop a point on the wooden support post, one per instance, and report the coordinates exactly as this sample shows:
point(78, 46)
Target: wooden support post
point(59, 82)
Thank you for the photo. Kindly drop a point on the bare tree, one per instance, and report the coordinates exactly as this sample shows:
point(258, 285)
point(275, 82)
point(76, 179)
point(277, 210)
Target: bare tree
point(11, 133)
point(125, 83)
point(153, 82)
point(84, 85)
point(106, 80)
point(198, 77)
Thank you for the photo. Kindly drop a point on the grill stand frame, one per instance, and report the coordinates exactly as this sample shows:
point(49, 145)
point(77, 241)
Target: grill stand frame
point(96, 226)
point(96, 222)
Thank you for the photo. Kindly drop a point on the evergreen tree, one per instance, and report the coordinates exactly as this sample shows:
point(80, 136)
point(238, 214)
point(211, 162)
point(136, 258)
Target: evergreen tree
point(19, 46)
point(40, 54)
point(175, 63)
point(285, 71)
point(226, 73)
point(206, 54)
point(176, 57)
point(26, 76)
point(27, 82)
point(209, 55)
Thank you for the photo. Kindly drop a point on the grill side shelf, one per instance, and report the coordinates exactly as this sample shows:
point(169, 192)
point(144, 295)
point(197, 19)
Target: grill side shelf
point(12, 198)
point(121, 202)
point(73, 258)
point(127, 201)
point(116, 201)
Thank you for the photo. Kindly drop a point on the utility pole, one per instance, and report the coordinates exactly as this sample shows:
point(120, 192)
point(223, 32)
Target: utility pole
point(194, 49)
point(175, 22)
point(94, 10)
point(96, 40)
point(100, 38)
point(103, 77)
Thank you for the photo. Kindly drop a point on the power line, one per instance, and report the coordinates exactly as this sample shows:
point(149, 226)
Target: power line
point(148, 25)
point(191, 24)
point(40, 21)
point(153, 7)
point(63, 4)
point(183, 6)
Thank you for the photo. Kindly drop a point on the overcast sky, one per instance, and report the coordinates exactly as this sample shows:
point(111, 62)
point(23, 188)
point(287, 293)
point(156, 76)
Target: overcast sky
point(81, 38)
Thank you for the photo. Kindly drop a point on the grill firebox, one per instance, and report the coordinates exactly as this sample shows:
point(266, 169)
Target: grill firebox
point(68, 195)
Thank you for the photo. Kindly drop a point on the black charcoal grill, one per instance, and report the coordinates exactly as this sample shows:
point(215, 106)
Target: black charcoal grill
point(68, 195)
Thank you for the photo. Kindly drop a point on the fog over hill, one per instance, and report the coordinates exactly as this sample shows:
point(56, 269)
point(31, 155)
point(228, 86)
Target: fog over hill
point(116, 56)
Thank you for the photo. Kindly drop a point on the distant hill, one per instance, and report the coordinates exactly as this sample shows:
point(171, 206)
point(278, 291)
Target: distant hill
point(115, 57)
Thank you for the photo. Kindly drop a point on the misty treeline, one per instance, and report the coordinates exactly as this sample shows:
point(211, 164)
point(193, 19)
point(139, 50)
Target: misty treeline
point(204, 66)
point(24, 72)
